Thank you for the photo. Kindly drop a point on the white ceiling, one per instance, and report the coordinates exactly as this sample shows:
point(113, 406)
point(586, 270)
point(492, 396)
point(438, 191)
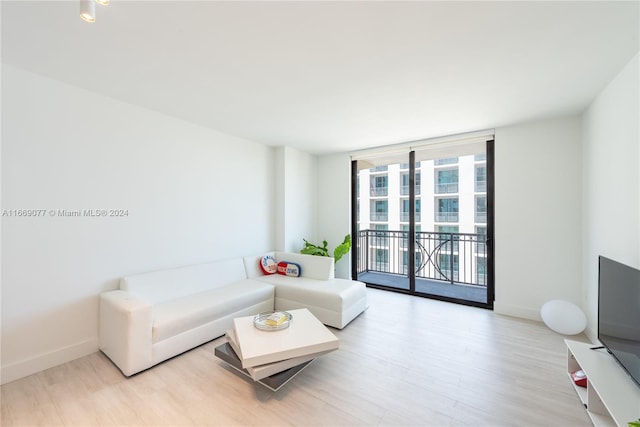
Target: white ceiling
point(332, 76)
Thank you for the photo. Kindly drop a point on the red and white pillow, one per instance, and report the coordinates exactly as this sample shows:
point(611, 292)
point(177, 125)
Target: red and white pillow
point(268, 264)
point(287, 268)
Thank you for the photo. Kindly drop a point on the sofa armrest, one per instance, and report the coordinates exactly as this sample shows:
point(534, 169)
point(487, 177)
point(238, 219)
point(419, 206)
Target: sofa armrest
point(313, 267)
point(125, 331)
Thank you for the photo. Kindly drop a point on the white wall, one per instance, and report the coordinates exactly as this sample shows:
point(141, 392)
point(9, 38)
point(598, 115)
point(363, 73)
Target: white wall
point(538, 240)
point(296, 186)
point(334, 205)
point(611, 200)
point(192, 195)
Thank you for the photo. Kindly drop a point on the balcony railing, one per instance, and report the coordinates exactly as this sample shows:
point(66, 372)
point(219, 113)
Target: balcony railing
point(446, 217)
point(447, 161)
point(379, 191)
point(449, 257)
point(447, 188)
point(404, 217)
point(379, 216)
point(406, 165)
point(404, 190)
point(481, 217)
point(383, 168)
point(481, 186)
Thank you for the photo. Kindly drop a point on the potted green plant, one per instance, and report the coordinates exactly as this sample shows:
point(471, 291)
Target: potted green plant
point(340, 250)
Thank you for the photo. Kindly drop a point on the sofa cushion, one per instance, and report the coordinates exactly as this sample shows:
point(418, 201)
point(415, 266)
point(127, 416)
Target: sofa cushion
point(335, 294)
point(173, 317)
point(167, 285)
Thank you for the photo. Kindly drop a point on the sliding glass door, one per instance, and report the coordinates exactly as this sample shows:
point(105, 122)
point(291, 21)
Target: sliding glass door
point(383, 207)
point(423, 222)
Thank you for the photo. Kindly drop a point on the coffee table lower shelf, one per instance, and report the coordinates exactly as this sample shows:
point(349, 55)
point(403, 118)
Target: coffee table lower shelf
point(273, 382)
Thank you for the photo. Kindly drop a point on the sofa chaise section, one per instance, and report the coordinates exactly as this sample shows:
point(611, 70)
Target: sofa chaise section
point(335, 302)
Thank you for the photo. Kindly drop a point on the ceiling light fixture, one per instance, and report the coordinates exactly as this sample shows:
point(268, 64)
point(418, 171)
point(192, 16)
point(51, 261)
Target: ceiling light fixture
point(88, 9)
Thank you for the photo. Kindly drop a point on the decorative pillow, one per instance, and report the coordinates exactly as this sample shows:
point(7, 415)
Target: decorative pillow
point(268, 264)
point(287, 268)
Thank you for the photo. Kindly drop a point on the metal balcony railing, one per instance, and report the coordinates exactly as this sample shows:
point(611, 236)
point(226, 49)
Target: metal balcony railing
point(404, 190)
point(404, 217)
point(379, 191)
point(383, 168)
point(446, 188)
point(446, 217)
point(379, 216)
point(406, 165)
point(448, 257)
point(447, 161)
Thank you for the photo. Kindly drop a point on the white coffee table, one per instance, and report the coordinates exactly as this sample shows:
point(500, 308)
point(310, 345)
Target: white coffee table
point(274, 357)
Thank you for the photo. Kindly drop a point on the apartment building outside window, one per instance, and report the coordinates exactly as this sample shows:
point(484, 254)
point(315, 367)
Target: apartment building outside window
point(404, 262)
point(379, 186)
point(406, 228)
point(480, 245)
point(382, 259)
point(453, 229)
point(448, 228)
point(446, 181)
point(404, 243)
point(404, 184)
point(404, 210)
point(446, 161)
point(406, 165)
point(481, 209)
point(379, 210)
point(381, 239)
point(449, 266)
point(481, 179)
point(446, 209)
point(481, 270)
point(481, 253)
point(405, 254)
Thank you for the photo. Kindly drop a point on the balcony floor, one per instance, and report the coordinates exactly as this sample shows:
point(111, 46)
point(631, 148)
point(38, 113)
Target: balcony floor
point(426, 286)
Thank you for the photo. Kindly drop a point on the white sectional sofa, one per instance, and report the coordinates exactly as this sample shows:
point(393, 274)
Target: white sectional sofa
point(335, 302)
point(155, 316)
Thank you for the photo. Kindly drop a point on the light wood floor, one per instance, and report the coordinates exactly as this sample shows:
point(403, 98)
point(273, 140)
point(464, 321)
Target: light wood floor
point(405, 361)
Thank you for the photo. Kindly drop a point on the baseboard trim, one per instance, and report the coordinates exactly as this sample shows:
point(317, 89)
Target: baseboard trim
point(517, 311)
point(23, 368)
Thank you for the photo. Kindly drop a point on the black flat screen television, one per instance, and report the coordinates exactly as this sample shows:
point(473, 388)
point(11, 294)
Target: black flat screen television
point(619, 313)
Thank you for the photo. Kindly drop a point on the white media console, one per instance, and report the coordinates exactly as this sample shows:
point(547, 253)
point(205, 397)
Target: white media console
point(611, 397)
